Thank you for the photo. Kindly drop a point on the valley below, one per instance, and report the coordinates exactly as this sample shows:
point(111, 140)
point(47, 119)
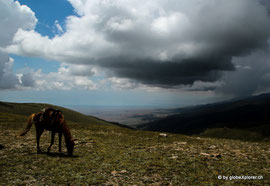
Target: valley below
point(128, 115)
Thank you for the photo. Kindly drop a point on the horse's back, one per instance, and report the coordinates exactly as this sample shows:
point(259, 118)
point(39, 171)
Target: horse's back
point(48, 119)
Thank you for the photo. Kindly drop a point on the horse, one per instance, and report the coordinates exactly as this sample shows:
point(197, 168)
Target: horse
point(52, 120)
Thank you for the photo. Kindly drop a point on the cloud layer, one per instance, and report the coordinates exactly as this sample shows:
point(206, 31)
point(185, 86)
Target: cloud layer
point(168, 44)
point(13, 16)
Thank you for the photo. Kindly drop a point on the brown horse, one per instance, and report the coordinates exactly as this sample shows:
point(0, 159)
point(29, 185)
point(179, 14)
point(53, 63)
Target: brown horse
point(52, 120)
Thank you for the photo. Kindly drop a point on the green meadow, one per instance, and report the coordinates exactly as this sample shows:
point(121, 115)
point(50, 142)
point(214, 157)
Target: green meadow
point(106, 154)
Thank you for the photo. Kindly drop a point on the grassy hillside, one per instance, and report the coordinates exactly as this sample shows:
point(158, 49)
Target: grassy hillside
point(111, 155)
point(23, 110)
point(252, 134)
point(249, 114)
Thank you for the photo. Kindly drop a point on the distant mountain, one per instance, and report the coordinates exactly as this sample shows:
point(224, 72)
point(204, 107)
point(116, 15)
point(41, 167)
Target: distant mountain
point(247, 113)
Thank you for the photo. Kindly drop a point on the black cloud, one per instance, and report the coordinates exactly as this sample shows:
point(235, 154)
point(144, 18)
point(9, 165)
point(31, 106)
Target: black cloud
point(167, 73)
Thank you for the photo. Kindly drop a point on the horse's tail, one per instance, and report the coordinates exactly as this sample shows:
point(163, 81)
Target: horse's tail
point(29, 125)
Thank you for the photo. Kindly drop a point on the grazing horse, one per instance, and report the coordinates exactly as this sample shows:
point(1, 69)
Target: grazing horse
point(52, 120)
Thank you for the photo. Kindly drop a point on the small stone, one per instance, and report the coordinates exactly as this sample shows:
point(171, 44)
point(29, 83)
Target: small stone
point(204, 154)
point(182, 143)
point(123, 171)
point(163, 135)
point(114, 172)
point(179, 149)
point(174, 157)
point(212, 147)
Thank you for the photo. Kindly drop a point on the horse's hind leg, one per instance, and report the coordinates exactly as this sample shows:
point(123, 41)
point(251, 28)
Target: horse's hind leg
point(52, 141)
point(38, 134)
point(60, 141)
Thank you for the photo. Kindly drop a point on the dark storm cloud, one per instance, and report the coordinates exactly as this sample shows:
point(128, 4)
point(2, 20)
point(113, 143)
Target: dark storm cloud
point(266, 3)
point(217, 33)
point(251, 76)
point(166, 73)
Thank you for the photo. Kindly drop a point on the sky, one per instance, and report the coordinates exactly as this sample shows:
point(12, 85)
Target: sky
point(123, 53)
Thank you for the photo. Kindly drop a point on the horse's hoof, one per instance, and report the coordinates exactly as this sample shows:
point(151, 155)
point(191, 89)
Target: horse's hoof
point(38, 151)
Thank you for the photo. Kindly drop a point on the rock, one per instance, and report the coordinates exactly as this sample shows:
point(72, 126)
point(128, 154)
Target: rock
point(1, 147)
point(123, 171)
point(114, 172)
point(204, 154)
point(174, 156)
point(182, 143)
point(179, 149)
point(163, 135)
point(212, 147)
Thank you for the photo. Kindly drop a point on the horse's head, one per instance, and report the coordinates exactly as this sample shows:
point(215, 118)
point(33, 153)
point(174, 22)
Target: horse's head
point(70, 147)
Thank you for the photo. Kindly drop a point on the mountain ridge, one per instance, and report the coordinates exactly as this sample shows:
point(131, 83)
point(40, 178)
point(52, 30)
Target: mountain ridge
point(242, 113)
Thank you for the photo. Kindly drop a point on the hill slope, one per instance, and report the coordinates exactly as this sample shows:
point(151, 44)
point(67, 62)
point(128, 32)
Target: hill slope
point(111, 155)
point(22, 110)
point(249, 113)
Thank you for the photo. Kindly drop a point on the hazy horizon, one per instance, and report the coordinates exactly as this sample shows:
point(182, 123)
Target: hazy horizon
point(128, 115)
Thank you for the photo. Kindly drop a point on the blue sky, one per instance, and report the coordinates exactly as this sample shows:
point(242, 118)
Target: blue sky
point(92, 52)
point(102, 98)
point(47, 12)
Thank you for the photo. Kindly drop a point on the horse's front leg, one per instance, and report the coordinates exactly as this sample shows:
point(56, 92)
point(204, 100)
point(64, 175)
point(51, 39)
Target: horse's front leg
point(38, 134)
point(60, 141)
point(52, 141)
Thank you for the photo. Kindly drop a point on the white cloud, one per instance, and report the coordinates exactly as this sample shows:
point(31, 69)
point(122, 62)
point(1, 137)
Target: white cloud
point(13, 16)
point(58, 27)
point(166, 25)
point(111, 28)
point(63, 79)
point(158, 43)
point(122, 83)
point(81, 70)
point(7, 79)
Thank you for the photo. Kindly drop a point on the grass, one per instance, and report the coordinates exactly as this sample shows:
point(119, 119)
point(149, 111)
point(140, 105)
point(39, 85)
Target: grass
point(110, 155)
point(251, 134)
